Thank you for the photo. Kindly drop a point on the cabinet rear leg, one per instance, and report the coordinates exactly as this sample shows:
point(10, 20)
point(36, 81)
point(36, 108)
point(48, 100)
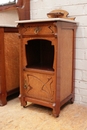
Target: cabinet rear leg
point(72, 100)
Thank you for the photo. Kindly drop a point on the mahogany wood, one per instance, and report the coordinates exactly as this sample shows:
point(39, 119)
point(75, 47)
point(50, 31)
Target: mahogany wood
point(9, 63)
point(42, 85)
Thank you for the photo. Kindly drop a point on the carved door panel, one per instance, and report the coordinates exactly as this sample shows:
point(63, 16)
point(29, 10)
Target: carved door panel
point(40, 86)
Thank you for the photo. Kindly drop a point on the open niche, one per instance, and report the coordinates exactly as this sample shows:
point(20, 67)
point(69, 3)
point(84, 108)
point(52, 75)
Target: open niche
point(40, 54)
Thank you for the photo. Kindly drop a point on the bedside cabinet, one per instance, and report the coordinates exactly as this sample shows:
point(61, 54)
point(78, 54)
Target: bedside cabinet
point(47, 62)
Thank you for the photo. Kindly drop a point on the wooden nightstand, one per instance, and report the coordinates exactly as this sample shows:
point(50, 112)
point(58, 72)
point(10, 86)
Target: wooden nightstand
point(47, 62)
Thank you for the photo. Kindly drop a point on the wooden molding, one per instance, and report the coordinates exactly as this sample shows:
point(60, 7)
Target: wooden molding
point(23, 9)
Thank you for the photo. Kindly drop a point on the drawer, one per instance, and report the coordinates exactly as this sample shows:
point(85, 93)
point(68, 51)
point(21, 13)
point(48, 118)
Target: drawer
point(39, 29)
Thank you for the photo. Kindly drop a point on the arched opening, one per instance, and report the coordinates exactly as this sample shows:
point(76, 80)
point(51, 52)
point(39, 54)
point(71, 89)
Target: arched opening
point(40, 54)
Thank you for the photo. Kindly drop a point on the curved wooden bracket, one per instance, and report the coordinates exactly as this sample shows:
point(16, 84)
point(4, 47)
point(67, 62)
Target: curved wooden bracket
point(24, 11)
point(22, 7)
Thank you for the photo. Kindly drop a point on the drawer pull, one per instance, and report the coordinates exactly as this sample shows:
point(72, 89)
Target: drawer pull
point(25, 85)
point(37, 30)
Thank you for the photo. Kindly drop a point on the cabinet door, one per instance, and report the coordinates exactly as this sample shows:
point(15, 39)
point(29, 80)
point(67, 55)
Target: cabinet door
point(40, 86)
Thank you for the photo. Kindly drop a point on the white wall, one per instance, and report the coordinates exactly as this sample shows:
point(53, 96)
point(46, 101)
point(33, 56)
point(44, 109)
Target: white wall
point(8, 18)
point(77, 8)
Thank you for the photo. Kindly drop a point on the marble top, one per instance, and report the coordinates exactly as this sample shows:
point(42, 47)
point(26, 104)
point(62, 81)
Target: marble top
point(46, 20)
point(6, 25)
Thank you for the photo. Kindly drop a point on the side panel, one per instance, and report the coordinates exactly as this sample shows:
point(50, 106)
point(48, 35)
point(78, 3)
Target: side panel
point(11, 60)
point(66, 63)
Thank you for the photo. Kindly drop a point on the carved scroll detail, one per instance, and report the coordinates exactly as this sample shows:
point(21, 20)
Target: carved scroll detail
point(45, 87)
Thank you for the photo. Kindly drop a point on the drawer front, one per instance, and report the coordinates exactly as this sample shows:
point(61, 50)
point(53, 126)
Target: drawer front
point(39, 86)
point(39, 29)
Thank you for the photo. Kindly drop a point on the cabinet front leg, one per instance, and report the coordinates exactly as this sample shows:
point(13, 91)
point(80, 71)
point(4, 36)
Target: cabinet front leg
point(56, 111)
point(22, 100)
